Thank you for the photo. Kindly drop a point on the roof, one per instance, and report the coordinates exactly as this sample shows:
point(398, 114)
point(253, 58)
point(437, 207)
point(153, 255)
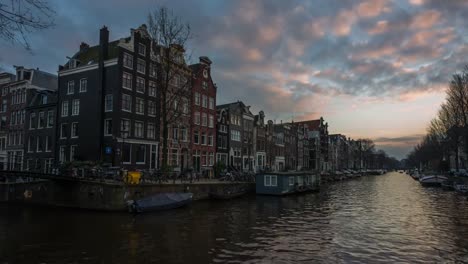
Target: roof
point(91, 54)
point(312, 124)
point(36, 101)
point(45, 80)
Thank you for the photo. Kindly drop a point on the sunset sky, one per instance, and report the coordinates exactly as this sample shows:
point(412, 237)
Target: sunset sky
point(371, 68)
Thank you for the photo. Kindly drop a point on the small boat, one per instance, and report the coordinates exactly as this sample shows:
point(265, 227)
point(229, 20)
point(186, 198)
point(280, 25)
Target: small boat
point(448, 185)
point(432, 180)
point(461, 188)
point(160, 201)
point(230, 194)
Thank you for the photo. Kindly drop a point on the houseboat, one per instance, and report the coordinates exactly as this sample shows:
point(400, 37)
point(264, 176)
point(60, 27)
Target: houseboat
point(282, 183)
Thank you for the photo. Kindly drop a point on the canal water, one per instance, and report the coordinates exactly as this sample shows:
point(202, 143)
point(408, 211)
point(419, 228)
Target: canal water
point(374, 219)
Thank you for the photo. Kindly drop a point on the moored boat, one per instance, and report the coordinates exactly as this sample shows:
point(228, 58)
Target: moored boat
point(160, 201)
point(230, 194)
point(461, 188)
point(432, 180)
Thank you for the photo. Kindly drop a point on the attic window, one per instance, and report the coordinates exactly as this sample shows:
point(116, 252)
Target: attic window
point(142, 49)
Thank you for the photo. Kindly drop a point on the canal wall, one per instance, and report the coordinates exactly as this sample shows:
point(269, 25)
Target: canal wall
point(101, 195)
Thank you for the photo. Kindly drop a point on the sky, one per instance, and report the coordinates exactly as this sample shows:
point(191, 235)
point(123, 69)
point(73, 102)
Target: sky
point(371, 68)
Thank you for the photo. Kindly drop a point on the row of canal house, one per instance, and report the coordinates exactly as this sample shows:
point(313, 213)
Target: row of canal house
point(105, 105)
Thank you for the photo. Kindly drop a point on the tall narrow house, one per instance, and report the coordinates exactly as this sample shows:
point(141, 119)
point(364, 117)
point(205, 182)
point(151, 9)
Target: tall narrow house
point(108, 103)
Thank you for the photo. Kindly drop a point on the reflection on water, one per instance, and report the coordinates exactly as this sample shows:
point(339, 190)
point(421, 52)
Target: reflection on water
point(388, 218)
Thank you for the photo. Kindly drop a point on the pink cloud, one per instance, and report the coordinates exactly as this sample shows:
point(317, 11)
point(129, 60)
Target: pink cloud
point(426, 19)
point(372, 8)
point(417, 2)
point(379, 28)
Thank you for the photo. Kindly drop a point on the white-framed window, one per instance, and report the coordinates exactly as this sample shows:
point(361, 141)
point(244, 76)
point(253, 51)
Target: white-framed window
point(128, 60)
point(41, 120)
point(292, 180)
point(210, 140)
point(204, 101)
point(150, 131)
point(63, 130)
point(139, 129)
point(76, 107)
point(108, 127)
point(74, 130)
point(83, 85)
point(211, 121)
point(140, 106)
point(62, 154)
point(141, 49)
point(197, 99)
point(30, 144)
point(183, 134)
point(204, 120)
point(270, 180)
point(127, 81)
point(152, 89)
point(235, 135)
point(38, 144)
point(141, 66)
point(48, 144)
point(197, 118)
point(141, 154)
point(175, 133)
point(185, 107)
point(211, 159)
point(196, 137)
point(211, 103)
point(71, 87)
point(140, 85)
point(203, 138)
point(32, 120)
point(125, 126)
point(151, 108)
point(126, 103)
point(153, 71)
point(50, 119)
point(64, 108)
point(73, 152)
point(109, 103)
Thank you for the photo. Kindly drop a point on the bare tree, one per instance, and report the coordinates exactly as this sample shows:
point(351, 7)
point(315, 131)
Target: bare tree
point(174, 76)
point(18, 18)
point(367, 148)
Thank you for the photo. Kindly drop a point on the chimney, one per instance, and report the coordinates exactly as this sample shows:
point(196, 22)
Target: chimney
point(205, 60)
point(103, 42)
point(83, 46)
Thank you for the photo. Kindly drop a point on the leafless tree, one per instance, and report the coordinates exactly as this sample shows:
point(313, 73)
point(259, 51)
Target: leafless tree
point(171, 36)
point(18, 18)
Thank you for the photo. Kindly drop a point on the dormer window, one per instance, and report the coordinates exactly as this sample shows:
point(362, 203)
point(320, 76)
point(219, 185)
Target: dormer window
point(205, 73)
point(141, 49)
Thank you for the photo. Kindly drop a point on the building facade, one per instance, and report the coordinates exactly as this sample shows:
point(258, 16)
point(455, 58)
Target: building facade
point(5, 80)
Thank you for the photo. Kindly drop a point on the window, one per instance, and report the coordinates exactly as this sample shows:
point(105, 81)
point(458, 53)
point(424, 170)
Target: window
point(141, 49)
point(71, 87)
point(30, 143)
point(153, 72)
point(50, 118)
point(211, 159)
point(140, 154)
point(210, 140)
point(128, 60)
point(204, 101)
point(125, 126)
point(127, 81)
point(150, 128)
point(62, 156)
point(197, 118)
point(204, 85)
point(203, 138)
point(152, 89)
point(73, 152)
point(270, 180)
point(183, 133)
point(140, 106)
point(151, 108)
point(141, 66)
point(126, 103)
point(174, 157)
point(76, 107)
point(109, 101)
point(127, 153)
point(4, 106)
point(235, 135)
point(211, 103)
point(63, 131)
point(197, 99)
point(48, 144)
point(185, 108)
point(223, 128)
point(138, 129)
point(32, 120)
point(291, 180)
point(108, 127)
point(74, 130)
point(83, 85)
point(140, 85)
point(38, 144)
point(196, 137)
point(211, 121)
point(64, 108)
point(175, 133)
point(41, 120)
point(204, 119)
